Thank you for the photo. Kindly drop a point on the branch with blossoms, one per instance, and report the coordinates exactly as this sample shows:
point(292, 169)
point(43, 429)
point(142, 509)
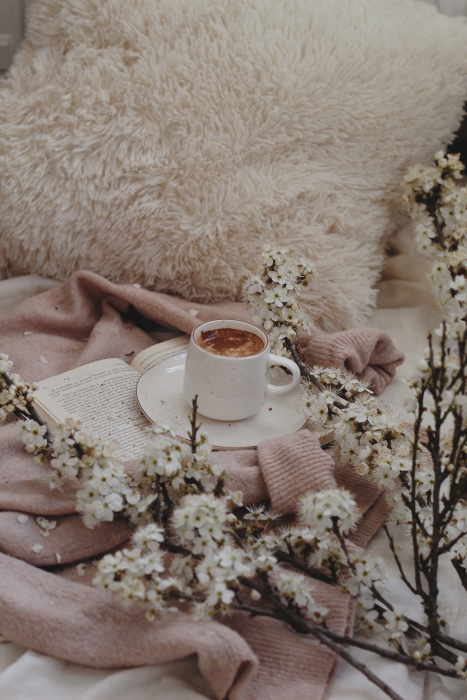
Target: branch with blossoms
point(438, 207)
point(272, 294)
point(422, 472)
point(16, 397)
point(224, 557)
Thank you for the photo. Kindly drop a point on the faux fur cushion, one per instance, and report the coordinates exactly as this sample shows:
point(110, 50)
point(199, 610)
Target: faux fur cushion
point(165, 141)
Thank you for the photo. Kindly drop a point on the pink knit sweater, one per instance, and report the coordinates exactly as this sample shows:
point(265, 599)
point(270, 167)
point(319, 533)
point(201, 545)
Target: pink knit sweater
point(52, 610)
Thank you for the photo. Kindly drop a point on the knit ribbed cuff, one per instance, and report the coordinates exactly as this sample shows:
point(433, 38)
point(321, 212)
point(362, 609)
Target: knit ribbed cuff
point(371, 521)
point(367, 352)
point(302, 668)
point(243, 474)
point(365, 491)
point(293, 465)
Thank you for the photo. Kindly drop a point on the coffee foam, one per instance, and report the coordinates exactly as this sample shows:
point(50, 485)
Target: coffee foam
point(230, 342)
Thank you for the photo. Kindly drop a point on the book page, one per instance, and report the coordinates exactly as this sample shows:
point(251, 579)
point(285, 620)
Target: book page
point(52, 422)
point(156, 354)
point(102, 395)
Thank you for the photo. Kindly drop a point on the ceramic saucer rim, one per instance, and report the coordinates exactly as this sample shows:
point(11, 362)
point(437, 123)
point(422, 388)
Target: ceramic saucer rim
point(218, 448)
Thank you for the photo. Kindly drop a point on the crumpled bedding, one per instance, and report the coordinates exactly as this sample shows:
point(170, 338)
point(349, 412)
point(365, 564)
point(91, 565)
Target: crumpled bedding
point(406, 312)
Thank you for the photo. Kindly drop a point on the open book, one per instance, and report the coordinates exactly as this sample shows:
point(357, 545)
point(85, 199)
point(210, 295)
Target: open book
point(102, 395)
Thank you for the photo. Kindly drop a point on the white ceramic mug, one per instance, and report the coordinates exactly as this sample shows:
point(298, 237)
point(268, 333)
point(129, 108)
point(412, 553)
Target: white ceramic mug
point(232, 388)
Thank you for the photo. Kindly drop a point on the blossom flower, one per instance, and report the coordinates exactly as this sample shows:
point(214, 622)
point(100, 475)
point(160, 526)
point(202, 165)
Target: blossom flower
point(278, 296)
point(349, 449)
point(368, 569)
point(5, 363)
point(319, 508)
point(294, 588)
point(256, 512)
point(32, 434)
point(459, 287)
point(200, 514)
point(385, 476)
point(395, 622)
point(328, 552)
point(272, 294)
point(367, 620)
point(254, 284)
point(317, 409)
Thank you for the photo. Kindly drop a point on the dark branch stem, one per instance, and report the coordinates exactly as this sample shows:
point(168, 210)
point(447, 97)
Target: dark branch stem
point(431, 206)
point(170, 546)
point(325, 636)
point(305, 372)
point(194, 428)
point(310, 570)
point(397, 560)
point(338, 534)
point(462, 573)
point(158, 500)
point(33, 414)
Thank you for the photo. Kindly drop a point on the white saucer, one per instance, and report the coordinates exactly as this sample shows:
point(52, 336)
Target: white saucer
point(160, 395)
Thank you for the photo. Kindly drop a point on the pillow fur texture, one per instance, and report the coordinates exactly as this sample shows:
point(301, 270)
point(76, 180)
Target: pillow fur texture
point(164, 142)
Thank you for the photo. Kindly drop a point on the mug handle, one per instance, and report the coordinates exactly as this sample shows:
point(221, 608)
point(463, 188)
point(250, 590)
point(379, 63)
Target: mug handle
point(290, 364)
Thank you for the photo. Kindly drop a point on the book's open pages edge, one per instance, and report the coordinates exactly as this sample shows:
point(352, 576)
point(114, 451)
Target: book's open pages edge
point(102, 395)
point(149, 358)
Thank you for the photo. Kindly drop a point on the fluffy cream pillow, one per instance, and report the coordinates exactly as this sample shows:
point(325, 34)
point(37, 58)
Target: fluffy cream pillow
point(165, 141)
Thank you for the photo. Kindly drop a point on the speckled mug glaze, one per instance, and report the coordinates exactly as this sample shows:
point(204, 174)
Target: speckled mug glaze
point(232, 388)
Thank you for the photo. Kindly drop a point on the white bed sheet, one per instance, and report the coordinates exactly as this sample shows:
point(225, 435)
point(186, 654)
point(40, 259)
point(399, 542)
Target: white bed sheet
point(406, 312)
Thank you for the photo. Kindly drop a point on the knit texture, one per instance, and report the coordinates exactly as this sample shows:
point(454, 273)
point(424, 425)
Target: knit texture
point(53, 611)
point(165, 142)
point(293, 465)
point(54, 614)
point(71, 621)
point(244, 473)
point(359, 350)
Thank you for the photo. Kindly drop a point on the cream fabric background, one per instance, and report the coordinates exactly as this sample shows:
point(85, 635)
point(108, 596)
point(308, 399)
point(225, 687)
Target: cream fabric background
point(406, 313)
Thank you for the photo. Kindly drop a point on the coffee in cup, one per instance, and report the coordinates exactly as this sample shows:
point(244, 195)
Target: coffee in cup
point(227, 368)
point(230, 342)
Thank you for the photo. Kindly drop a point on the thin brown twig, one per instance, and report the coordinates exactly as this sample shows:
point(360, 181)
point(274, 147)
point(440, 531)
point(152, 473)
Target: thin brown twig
point(300, 625)
point(304, 627)
point(310, 570)
point(194, 428)
point(305, 372)
point(33, 414)
point(430, 203)
point(158, 500)
point(338, 534)
point(398, 562)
